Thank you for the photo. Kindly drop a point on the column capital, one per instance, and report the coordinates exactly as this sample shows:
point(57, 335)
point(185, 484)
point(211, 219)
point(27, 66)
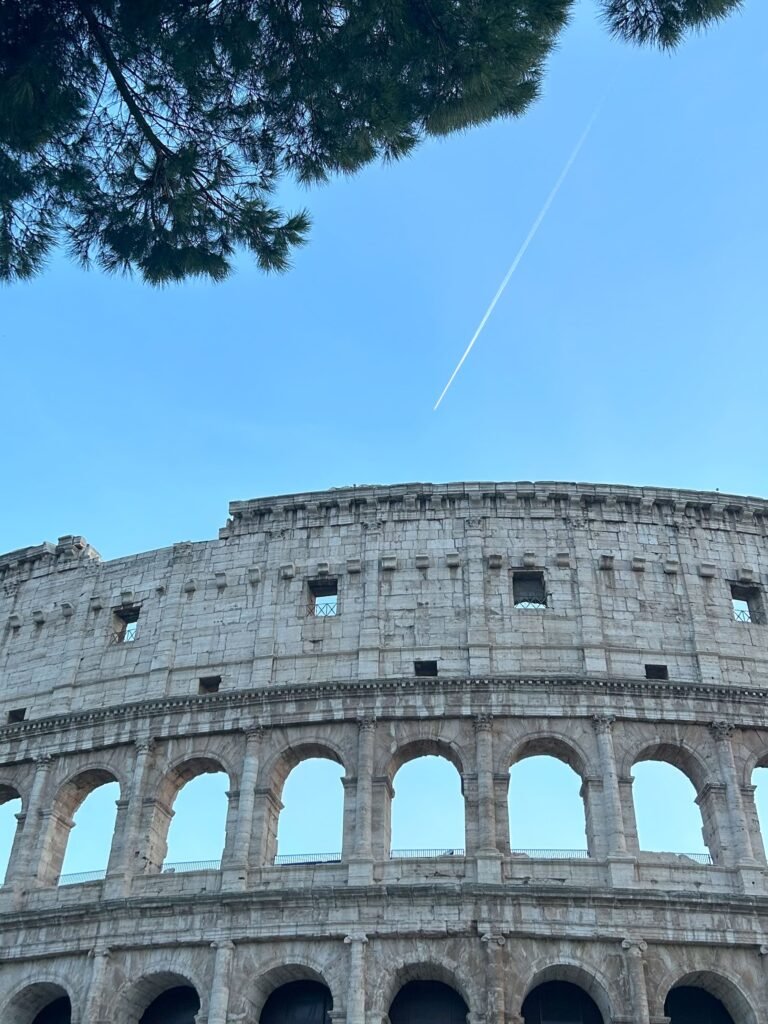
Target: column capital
point(144, 746)
point(634, 946)
point(721, 730)
point(360, 937)
point(100, 951)
point(223, 944)
point(254, 733)
point(43, 760)
point(483, 723)
point(603, 723)
point(493, 939)
point(367, 723)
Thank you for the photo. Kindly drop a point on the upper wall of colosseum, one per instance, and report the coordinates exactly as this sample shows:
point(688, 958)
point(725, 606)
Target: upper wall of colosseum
point(631, 577)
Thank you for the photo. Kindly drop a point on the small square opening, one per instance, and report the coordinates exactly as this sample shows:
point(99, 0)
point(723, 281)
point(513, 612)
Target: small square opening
point(656, 672)
point(125, 623)
point(324, 598)
point(17, 715)
point(528, 590)
point(209, 684)
point(747, 603)
point(425, 668)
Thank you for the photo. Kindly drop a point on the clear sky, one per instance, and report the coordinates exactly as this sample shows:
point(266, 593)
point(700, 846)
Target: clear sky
point(630, 346)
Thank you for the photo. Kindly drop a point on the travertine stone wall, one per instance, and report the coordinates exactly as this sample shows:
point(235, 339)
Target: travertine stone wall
point(633, 576)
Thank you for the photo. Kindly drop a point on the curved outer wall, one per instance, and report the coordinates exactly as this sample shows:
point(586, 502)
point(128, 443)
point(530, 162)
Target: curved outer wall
point(424, 572)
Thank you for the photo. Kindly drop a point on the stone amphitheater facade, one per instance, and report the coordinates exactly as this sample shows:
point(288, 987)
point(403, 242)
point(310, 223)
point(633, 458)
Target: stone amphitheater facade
point(636, 582)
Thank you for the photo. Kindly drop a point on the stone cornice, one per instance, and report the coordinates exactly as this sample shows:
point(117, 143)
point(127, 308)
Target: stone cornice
point(265, 699)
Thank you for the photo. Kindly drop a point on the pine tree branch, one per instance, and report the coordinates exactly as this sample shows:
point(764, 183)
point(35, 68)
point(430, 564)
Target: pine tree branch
point(118, 78)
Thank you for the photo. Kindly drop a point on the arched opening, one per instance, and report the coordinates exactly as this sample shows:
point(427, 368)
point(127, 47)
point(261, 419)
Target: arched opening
point(311, 823)
point(560, 1002)
point(87, 849)
point(298, 1002)
point(678, 829)
point(44, 1002)
point(57, 1012)
point(202, 799)
point(10, 807)
point(760, 782)
point(428, 808)
point(546, 807)
point(189, 818)
point(177, 1005)
point(428, 1002)
point(90, 841)
point(688, 1004)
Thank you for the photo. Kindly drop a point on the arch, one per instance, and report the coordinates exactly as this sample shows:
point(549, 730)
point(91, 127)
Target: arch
point(134, 998)
point(546, 805)
point(549, 744)
point(444, 971)
point(312, 815)
point(427, 746)
point(590, 981)
point(30, 1000)
point(428, 1002)
point(302, 1001)
point(563, 1002)
point(281, 974)
point(427, 809)
point(723, 987)
point(9, 825)
point(678, 754)
point(281, 764)
point(72, 793)
point(173, 780)
point(689, 821)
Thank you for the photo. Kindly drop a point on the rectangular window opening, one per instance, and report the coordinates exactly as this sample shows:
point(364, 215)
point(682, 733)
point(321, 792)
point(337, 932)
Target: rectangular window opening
point(656, 672)
point(17, 715)
point(528, 590)
point(425, 668)
point(324, 598)
point(124, 624)
point(209, 684)
point(747, 603)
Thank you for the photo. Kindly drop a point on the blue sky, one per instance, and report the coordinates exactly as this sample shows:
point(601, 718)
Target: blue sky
point(630, 346)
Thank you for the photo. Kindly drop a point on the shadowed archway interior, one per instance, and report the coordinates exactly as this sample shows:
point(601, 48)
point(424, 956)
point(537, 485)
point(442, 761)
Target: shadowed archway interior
point(57, 1012)
point(688, 1004)
point(428, 1002)
point(560, 1002)
point(177, 1005)
point(298, 1002)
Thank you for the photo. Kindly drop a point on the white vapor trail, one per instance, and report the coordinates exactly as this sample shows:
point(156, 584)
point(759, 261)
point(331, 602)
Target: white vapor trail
point(522, 250)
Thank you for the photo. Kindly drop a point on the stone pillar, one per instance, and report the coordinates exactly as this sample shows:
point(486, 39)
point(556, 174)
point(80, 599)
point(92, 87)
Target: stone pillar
point(487, 852)
point(235, 861)
point(740, 840)
point(591, 793)
point(126, 850)
point(614, 819)
point(222, 969)
point(494, 980)
point(23, 869)
point(356, 989)
point(478, 640)
point(753, 822)
point(633, 964)
point(95, 1012)
point(361, 862)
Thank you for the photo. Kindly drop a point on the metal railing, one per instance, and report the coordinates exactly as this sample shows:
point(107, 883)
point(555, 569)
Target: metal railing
point(325, 609)
point(83, 876)
point(181, 867)
point(307, 858)
point(536, 605)
point(553, 854)
point(453, 851)
point(700, 858)
point(742, 615)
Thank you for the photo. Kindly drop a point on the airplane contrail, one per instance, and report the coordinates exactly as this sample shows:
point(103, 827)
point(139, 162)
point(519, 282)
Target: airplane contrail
point(521, 251)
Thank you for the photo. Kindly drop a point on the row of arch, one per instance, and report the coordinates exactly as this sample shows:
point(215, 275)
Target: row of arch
point(144, 849)
point(545, 804)
point(559, 995)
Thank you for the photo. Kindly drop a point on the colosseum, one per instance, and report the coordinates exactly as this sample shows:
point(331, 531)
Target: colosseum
point(483, 623)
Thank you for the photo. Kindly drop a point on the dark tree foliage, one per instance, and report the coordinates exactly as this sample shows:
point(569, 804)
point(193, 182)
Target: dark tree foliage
point(151, 134)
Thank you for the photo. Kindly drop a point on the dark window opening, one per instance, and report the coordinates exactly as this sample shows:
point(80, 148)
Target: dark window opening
point(298, 1002)
point(323, 598)
point(209, 684)
point(177, 1005)
point(427, 1002)
point(528, 590)
point(560, 1002)
point(57, 1012)
point(17, 715)
point(425, 668)
point(656, 672)
point(690, 1005)
point(124, 624)
point(747, 604)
